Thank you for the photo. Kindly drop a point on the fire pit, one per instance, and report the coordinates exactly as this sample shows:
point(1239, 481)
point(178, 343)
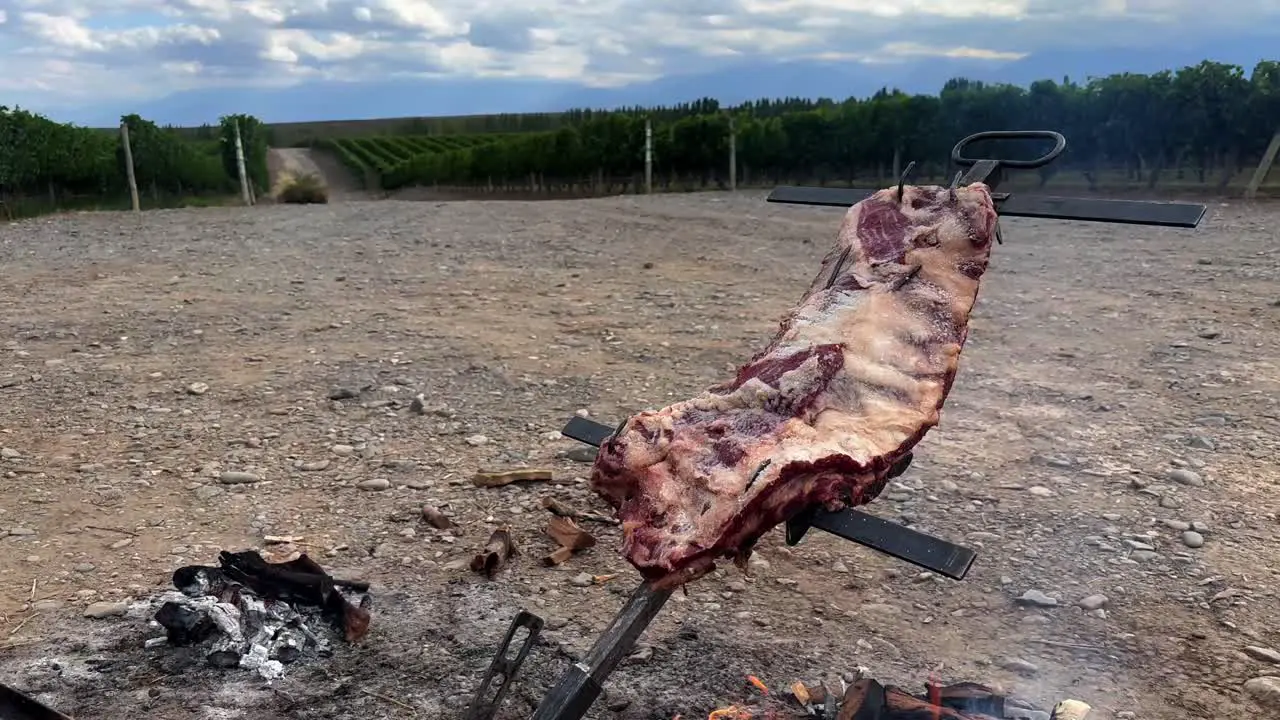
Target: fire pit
point(256, 615)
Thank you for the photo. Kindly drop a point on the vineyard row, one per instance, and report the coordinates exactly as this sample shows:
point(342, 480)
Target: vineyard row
point(380, 160)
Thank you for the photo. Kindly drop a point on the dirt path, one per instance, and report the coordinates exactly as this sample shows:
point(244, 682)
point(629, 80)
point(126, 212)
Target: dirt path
point(1119, 385)
point(286, 163)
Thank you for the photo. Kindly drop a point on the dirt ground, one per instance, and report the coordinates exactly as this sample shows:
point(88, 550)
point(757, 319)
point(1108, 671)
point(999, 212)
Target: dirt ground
point(1101, 358)
point(285, 164)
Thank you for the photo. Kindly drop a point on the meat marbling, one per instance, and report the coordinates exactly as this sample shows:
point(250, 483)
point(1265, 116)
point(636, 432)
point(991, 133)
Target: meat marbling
point(855, 376)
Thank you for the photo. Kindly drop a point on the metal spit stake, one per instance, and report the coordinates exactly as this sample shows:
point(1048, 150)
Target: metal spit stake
point(582, 683)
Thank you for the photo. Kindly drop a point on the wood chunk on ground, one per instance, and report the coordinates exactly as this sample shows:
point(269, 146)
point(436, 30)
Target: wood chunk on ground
point(496, 553)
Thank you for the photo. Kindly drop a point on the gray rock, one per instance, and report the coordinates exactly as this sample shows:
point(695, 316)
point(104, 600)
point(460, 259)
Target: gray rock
point(106, 609)
point(1041, 491)
point(9, 454)
point(315, 466)
point(1192, 539)
point(197, 388)
point(1170, 502)
point(233, 477)
point(1020, 666)
point(21, 531)
point(1200, 527)
point(342, 450)
point(1035, 598)
point(1138, 545)
point(1093, 602)
point(581, 580)
point(343, 393)
point(1200, 442)
point(1144, 555)
point(374, 484)
point(1264, 690)
point(208, 492)
point(582, 455)
point(1186, 477)
point(1265, 654)
point(48, 605)
point(1178, 525)
point(476, 440)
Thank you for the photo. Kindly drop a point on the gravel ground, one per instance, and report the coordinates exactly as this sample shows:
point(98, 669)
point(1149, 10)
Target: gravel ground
point(1119, 385)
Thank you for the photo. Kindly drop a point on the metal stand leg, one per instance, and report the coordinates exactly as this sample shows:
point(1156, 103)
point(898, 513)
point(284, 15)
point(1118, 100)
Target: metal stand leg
point(581, 685)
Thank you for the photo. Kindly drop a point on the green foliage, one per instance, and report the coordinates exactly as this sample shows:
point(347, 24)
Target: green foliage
point(1207, 118)
point(38, 156)
point(45, 165)
point(304, 190)
point(164, 162)
point(253, 140)
point(1210, 118)
point(387, 161)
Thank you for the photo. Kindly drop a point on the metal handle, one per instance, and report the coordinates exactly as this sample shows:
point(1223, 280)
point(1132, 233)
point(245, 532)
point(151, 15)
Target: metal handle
point(1059, 144)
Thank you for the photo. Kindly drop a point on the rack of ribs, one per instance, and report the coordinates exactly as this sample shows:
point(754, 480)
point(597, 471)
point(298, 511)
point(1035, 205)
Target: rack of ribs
point(855, 376)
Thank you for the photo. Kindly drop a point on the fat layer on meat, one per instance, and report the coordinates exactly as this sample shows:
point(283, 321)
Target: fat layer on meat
point(855, 376)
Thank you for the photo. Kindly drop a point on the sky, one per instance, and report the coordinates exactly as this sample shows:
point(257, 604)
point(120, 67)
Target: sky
point(66, 56)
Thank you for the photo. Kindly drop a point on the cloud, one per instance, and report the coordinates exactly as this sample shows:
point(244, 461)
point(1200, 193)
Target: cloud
point(72, 53)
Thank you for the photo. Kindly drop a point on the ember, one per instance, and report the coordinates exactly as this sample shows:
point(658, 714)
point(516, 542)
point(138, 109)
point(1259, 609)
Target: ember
point(257, 615)
point(733, 712)
point(869, 700)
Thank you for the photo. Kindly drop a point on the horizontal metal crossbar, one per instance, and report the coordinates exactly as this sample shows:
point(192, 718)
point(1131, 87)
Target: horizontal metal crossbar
point(1125, 212)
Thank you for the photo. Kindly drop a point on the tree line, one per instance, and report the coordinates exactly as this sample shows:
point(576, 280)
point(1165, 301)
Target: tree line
point(1202, 123)
point(46, 164)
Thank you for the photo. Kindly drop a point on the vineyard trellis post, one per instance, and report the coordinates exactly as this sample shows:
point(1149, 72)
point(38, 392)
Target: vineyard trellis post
point(733, 156)
point(128, 167)
point(648, 156)
point(244, 180)
point(1264, 167)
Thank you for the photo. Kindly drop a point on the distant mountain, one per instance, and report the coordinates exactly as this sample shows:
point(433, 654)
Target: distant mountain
point(731, 85)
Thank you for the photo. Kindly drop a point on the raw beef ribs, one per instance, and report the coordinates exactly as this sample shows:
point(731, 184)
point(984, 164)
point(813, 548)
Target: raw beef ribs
point(854, 378)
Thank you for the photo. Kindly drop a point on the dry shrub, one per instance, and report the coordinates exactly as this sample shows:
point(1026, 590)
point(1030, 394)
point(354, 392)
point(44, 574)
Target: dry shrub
point(304, 190)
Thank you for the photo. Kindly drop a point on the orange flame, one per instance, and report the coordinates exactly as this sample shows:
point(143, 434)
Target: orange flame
point(758, 683)
point(733, 712)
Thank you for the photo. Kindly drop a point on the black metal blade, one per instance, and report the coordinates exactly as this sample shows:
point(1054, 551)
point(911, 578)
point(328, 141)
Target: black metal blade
point(826, 197)
point(890, 538)
point(1124, 212)
point(1128, 212)
point(587, 431)
point(926, 551)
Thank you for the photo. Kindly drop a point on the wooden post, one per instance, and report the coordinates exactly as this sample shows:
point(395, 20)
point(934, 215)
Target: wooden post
point(648, 157)
point(244, 181)
point(733, 157)
point(128, 167)
point(1264, 167)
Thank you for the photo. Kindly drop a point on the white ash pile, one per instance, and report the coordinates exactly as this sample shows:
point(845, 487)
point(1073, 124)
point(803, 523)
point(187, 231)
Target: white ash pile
point(252, 614)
